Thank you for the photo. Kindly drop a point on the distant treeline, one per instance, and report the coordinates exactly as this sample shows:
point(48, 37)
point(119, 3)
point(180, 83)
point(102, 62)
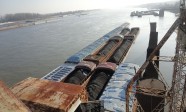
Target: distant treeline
point(172, 6)
point(19, 16)
point(29, 16)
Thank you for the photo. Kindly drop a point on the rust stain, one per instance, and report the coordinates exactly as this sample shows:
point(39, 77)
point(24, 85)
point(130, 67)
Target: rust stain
point(107, 65)
point(98, 57)
point(86, 64)
point(8, 101)
point(56, 95)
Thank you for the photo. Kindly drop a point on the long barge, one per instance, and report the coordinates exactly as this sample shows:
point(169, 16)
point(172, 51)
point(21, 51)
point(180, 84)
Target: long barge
point(63, 70)
point(93, 79)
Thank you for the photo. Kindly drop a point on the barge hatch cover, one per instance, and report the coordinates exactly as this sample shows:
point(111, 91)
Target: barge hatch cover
point(8, 101)
point(50, 96)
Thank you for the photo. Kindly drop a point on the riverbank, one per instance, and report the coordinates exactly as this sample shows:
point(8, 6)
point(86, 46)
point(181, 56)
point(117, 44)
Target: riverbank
point(40, 19)
point(26, 23)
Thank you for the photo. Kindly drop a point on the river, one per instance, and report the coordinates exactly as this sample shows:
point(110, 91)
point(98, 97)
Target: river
point(36, 50)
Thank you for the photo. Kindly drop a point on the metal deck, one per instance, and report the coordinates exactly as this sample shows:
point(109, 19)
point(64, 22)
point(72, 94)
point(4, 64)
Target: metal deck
point(9, 102)
point(60, 72)
point(49, 96)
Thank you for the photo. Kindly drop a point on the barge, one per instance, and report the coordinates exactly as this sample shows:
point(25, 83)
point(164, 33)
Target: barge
point(93, 79)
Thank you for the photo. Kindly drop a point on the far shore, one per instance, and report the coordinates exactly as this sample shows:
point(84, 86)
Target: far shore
point(41, 19)
point(12, 27)
point(26, 23)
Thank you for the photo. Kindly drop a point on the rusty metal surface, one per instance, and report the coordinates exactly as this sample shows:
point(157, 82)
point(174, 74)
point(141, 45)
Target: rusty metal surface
point(107, 65)
point(94, 58)
point(129, 37)
point(117, 38)
point(97, 58)
point(48, 95)
point(86, 64)
point(102, 56)
point(8, 101)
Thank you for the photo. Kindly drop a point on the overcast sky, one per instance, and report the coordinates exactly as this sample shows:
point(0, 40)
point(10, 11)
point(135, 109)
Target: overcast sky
point(49, 6)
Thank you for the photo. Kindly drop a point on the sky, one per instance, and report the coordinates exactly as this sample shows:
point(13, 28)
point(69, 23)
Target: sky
point(50, 6)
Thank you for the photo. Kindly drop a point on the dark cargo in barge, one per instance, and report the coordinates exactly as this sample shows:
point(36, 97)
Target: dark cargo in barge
point(99, 79)
point(81, 72)
point(106, 51)
point(123, 49)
